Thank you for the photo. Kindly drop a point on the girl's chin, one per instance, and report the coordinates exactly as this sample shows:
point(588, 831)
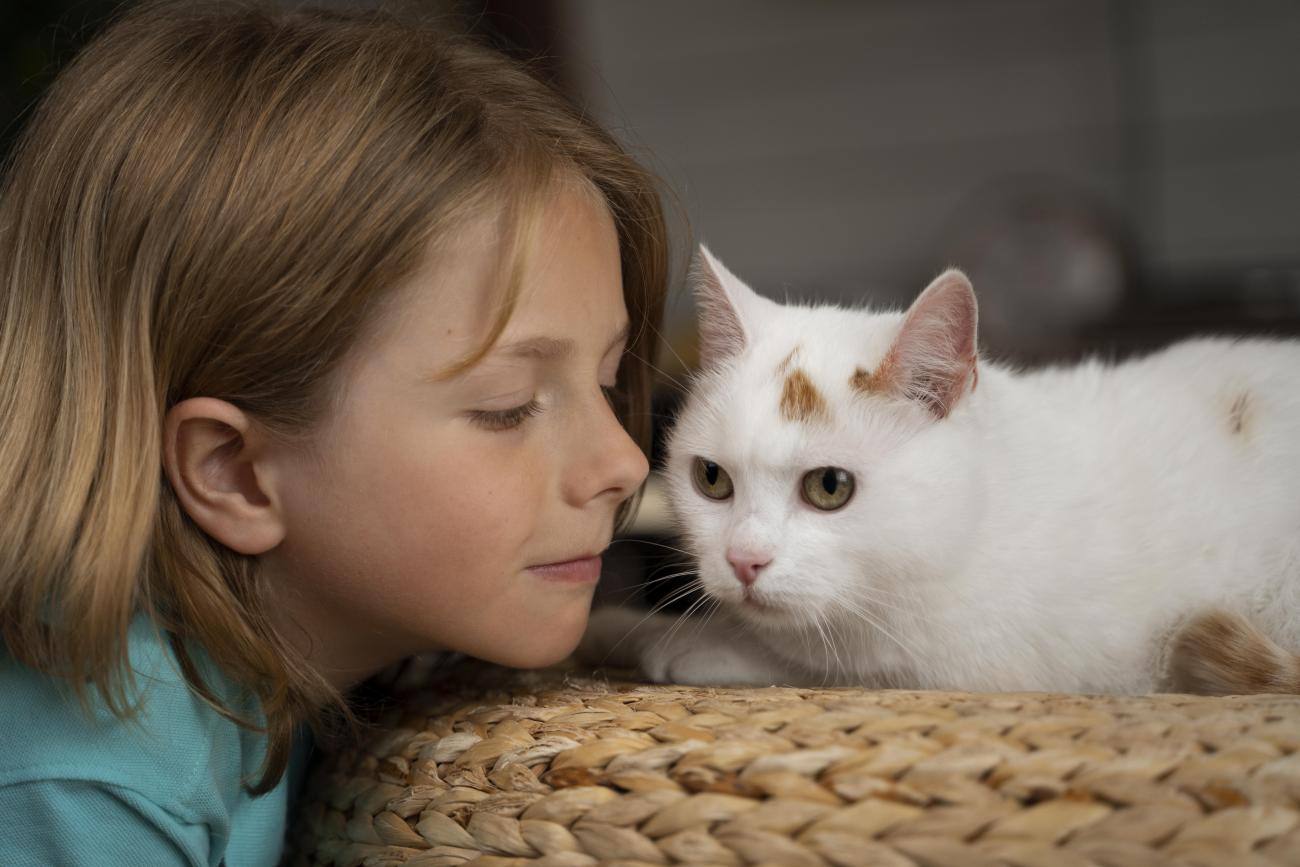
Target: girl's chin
point(542, 657)
point(538, 646)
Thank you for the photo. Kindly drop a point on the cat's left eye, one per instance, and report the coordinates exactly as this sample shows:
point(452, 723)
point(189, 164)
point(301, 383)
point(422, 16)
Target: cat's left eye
point(827, 488)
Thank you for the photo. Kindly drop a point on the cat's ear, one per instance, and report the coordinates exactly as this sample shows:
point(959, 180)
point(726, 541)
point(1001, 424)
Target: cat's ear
point(934, 357)
point(725, 305)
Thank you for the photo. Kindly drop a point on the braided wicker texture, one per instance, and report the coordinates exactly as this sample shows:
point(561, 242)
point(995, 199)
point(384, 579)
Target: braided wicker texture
point(551, 768)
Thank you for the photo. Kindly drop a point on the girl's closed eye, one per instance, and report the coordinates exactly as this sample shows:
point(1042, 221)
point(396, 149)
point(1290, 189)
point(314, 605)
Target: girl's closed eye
point(515, 416)
point(505, 419)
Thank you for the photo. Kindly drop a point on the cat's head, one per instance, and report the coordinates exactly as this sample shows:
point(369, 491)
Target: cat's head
point(823, 463)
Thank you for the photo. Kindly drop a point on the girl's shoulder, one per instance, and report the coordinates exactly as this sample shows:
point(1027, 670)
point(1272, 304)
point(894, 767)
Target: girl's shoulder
point(172, 775)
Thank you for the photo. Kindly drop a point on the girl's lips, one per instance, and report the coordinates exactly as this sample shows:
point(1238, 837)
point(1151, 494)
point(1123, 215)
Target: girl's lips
point(584, 571)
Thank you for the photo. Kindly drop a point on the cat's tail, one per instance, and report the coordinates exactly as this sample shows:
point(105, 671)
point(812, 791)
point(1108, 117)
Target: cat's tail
point(1220, 653)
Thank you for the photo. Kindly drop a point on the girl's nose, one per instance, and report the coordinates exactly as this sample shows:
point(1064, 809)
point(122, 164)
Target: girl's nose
point(746, 564)
point(610, 463)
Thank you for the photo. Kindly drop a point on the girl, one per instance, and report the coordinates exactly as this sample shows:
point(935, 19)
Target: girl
point(318, 336)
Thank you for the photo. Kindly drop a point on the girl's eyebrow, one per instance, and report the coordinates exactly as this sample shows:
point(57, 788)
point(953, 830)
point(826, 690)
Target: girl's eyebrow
point(549, 348)
point(543, 348)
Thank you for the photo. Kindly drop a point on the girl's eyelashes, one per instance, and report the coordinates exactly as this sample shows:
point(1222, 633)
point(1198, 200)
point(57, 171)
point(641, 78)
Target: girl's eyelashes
point(505, 419)
point(509, 419)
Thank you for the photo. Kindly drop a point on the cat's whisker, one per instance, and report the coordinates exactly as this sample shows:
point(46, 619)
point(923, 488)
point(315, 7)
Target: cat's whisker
point(678, 574)
point(702, 621)
point(653, 543)
point(865, 615)
point(675, 563)
point(673, 597)
point(835, 632)
point(910, 607)
point(836, 636)
point(712, 610)
point(667, 377)
point(805, 633)
point(869, 597)
point(683, 568)
point(827, 648)
point(633, 589)
point(686, 615)
point(681, 618)
point(644, 584)
point(679, 593)
point(667, 344)
point(876, 588)
point(717, 606)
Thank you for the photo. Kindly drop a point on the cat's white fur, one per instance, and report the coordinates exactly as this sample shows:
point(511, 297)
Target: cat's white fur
point(1047, 533)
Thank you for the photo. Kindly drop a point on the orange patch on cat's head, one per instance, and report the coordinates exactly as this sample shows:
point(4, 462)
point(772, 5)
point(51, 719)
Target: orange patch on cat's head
point(784, 367)
point(800, 399)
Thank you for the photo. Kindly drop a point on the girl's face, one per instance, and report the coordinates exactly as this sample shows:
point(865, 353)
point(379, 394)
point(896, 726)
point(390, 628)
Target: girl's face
point(432, 511)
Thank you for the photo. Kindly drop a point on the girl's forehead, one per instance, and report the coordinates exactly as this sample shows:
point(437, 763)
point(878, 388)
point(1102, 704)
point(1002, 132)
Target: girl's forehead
point(445, 301)
point(569, 285)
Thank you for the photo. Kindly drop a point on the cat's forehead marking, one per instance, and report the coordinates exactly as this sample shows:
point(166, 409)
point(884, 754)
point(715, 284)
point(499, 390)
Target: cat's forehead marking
point(784, 367)
point(800, 399)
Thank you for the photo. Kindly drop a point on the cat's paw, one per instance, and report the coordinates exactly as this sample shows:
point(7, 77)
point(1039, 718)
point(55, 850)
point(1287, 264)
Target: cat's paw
point(707, 661)
point(697, 656)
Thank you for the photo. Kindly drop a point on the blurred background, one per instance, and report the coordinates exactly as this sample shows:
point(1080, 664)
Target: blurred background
point(1113, 174)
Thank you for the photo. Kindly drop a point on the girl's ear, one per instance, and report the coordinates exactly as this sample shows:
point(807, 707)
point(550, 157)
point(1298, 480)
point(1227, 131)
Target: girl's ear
point(934, 355)
point(216, 461)
point(726, 308)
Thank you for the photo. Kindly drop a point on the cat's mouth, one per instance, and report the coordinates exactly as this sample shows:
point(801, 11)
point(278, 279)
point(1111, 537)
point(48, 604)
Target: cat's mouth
point(750, 600)
point(753, 603)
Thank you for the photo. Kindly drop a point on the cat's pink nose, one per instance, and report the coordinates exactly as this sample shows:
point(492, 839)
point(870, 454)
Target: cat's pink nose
point(746, 565)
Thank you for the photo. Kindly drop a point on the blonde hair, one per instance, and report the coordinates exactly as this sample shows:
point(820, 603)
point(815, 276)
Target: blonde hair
point(214, 199)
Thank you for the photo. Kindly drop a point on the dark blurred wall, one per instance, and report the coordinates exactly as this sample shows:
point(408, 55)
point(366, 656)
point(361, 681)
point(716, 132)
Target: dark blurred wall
point(1113, 174)
point(1093, 164)
point(36, 38)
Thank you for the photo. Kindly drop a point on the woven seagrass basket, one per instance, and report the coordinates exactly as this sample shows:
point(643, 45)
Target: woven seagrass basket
point(560, 768)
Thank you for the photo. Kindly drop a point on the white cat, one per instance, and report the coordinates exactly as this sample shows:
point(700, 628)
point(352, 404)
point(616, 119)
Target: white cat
point(873, 504)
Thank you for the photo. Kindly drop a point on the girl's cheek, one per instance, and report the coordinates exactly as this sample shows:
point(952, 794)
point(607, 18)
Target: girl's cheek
point(509, 470)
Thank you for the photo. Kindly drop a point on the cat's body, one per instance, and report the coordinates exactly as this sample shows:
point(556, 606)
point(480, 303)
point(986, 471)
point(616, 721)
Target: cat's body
point(1047, 530)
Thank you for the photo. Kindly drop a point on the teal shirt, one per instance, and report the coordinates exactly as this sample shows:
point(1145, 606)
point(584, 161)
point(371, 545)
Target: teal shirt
point(163, 789)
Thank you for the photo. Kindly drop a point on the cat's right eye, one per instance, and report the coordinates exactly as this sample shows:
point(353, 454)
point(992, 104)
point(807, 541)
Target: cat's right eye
point(710, 479)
